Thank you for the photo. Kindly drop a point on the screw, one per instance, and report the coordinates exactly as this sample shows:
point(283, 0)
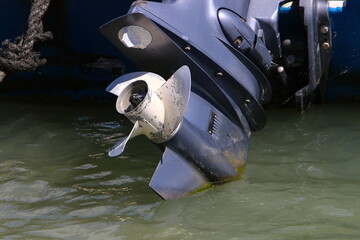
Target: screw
point(287, 43)
point(187, 48)
point(219, 74)
point(324, 29)
point(280, 69)
point(238, 41)
point(325, 46)
point(283, 75)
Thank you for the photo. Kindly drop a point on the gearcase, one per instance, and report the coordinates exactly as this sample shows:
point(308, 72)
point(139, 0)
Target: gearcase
point(205, 69)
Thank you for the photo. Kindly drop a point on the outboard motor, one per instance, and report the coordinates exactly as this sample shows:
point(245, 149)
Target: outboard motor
point(206, 68)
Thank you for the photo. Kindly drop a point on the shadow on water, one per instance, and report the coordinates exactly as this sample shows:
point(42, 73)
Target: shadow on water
point(57, 182)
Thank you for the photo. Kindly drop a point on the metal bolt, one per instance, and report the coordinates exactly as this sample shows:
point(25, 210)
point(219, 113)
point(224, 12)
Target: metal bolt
point(324, 29)
point(219, 74)
point(187, 48)
point(287, 43)
point(238, 41)
point(280, 69)
point(325, 46)
point(283, 75)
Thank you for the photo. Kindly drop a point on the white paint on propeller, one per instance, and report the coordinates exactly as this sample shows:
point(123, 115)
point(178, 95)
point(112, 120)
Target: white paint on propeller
point(155, 106)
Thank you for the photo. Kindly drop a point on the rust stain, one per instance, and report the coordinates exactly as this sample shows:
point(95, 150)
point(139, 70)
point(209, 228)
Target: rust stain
point(236, 161)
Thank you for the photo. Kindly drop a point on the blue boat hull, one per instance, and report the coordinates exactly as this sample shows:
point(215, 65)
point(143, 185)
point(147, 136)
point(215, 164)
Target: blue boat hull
point(82, 62)
point(344, 75)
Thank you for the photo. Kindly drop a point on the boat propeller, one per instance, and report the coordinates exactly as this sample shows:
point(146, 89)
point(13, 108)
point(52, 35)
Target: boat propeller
point(155, 106)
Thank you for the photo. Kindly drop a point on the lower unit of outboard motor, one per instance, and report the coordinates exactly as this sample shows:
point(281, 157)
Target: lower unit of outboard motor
point(206, 67)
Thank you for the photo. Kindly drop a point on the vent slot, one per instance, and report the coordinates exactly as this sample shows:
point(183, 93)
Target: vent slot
point(213, 128)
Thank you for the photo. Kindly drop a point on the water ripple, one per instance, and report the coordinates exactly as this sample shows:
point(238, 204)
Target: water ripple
point(94, 175)
point(14, 191)
point(57, 182)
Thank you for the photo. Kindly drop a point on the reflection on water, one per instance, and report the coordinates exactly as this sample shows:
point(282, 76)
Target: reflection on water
point(56, 181)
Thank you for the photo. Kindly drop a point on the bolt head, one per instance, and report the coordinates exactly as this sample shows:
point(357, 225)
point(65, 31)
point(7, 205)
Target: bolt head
point(324, 29)
point(238, 41)
point(325, 46)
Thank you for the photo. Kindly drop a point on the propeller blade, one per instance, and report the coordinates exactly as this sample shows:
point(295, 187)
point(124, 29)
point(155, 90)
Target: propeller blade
point(119, 147)
point(119, 84)
point(174, 177)
point(175, 94)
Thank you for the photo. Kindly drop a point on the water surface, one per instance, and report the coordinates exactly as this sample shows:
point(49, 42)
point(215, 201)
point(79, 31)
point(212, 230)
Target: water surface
point(302, 179)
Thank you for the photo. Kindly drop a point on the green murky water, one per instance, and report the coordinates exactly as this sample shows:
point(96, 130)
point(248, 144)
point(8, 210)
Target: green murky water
point(302, 179)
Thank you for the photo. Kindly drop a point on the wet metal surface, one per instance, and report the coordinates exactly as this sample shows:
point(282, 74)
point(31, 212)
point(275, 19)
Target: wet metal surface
point(57, 182)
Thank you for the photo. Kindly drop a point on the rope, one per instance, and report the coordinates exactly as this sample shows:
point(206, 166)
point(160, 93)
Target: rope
point(20, 55)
